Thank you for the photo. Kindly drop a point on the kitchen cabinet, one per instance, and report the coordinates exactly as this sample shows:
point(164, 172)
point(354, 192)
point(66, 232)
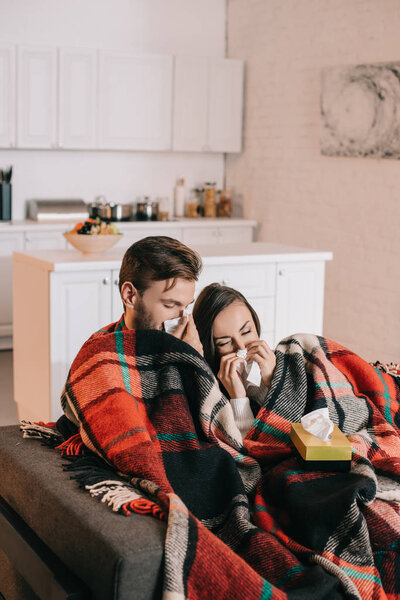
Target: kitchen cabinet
point(37, 97)
point(133, 234)
point(77, 98)
point(71, 297)
point(35, 236)
point(208, 104)
point(44, 240)
point(7, 96)
point(299, 296)
point(217, 235)
point(89, 99)
point(8, 243)
point(135, 94)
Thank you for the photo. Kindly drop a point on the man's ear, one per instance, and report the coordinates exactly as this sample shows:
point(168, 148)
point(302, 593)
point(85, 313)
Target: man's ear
point(129, 294)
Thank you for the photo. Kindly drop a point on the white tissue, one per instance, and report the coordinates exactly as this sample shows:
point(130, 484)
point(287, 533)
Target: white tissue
point(318, 424)
point(251, 369)
point(171, 324)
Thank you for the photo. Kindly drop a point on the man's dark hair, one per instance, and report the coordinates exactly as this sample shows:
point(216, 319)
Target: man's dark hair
point(156, 258)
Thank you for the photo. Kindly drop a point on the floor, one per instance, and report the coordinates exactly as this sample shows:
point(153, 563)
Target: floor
point(8, 412)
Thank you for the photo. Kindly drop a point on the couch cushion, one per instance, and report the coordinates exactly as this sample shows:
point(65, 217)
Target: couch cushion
point(118, 557)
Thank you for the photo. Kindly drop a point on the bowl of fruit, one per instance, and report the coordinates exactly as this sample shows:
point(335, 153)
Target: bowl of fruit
point(93, 236)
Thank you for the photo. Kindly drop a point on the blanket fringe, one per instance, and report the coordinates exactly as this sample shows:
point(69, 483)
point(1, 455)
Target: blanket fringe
point(73, 446)
point(122, 497)
point(46, 432)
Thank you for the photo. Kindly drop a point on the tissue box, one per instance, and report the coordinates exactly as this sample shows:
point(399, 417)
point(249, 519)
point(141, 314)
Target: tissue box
point(314, 454)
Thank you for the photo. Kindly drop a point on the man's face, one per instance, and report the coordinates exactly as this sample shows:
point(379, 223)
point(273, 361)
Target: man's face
point(158, 303)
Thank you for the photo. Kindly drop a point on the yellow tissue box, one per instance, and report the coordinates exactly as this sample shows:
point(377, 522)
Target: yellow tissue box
point(318, 454)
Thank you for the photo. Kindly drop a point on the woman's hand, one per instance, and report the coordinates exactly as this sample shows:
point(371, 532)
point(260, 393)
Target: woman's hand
point(261, 353)
point(187, 331)
point(229, 376)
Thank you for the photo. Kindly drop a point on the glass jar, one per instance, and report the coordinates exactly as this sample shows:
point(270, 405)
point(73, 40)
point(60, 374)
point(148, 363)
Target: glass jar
point(225, 204)
point(210, 197)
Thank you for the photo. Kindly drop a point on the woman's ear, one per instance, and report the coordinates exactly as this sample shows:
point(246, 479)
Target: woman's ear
point(128, 294)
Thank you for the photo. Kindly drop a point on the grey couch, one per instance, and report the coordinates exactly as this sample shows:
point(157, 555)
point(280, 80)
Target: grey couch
point(57, 542)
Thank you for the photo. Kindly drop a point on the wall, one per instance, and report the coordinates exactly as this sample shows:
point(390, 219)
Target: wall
point(347, 205)
point(148, 26)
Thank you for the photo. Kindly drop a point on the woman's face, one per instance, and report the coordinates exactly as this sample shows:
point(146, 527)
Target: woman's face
point(233, 328)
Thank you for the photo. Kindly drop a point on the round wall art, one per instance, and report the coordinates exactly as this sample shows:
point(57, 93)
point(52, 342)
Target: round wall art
point(360, 111)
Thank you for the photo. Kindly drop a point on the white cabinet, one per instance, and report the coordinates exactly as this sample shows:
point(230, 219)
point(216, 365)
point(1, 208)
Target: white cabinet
point(135, 94)
point(44, 240)
point(37, 97)
point(225, 105)
point(299, 298)
point(218, 235)
point(7, 96)
point(8, 243)
point(74, 300)
point(190, 103)
point(208, 104)
point(132, 235)
point(77, 98)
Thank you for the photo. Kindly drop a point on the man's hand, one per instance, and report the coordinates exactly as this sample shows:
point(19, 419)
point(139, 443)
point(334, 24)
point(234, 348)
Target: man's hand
point(229, 376)
point(187, 332)
point(261, 353)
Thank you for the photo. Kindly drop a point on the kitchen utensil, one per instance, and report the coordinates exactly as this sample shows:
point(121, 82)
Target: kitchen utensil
point(147, 211)
point(92, 244)
point(110, 211)
point(57, 210)
point(5, 202)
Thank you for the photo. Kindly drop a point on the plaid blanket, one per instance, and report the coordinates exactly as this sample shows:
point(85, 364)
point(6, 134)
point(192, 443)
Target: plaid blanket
point(243, 519)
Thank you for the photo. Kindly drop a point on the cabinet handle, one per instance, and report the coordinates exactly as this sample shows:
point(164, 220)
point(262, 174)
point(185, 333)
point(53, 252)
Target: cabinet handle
point(116, 281)
point(281, 273)
point(225, 282)
point(28, 238)
point(106, 280)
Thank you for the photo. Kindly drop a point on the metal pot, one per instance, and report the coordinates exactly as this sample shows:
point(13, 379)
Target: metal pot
point(147, 211)
point(111, 211)
point(121, 212)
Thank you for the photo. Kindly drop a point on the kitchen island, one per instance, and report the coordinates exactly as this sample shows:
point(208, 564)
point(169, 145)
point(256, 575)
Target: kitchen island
point(61, 297)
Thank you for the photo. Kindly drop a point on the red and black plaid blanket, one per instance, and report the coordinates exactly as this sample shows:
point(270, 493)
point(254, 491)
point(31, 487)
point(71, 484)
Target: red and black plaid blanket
point(243, 519)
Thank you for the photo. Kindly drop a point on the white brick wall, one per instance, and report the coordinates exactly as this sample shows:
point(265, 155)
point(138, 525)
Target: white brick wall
point(347, 205)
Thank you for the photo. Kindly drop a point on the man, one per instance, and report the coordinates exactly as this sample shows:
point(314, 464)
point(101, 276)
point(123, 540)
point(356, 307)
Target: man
point(157, 282)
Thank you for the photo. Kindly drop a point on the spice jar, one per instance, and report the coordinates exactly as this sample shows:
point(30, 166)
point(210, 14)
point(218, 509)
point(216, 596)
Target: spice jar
point(210, 205)
point(225, 204)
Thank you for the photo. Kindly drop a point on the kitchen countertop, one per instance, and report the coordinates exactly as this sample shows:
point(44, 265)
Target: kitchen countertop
point(31, 225)
point(261, 252)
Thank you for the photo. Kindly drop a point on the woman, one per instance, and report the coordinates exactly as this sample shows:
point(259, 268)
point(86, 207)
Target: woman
point(228, 325)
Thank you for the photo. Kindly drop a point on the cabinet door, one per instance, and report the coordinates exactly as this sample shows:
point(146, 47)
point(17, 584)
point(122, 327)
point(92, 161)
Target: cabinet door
point(299, 298)
point(77, 98)
point(117, 307)
point(8, 243)
point(190, 103)
point(37, 95)
point(45, 240)
point(133, 235)
point(225, 105)
point(80, 304)
point(135, 102)
point(235, 235)
point(7, 96)
point(200, 235)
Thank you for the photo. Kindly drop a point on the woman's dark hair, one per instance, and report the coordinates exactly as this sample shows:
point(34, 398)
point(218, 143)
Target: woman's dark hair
point(156, 258)
point(210, 302)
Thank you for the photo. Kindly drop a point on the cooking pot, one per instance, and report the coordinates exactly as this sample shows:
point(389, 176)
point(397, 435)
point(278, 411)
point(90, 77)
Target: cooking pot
point(111, 211)
point(147, 211)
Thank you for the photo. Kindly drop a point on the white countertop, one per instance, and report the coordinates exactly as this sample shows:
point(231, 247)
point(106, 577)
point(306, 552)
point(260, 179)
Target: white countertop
point(30, 225)
point(261, 252)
